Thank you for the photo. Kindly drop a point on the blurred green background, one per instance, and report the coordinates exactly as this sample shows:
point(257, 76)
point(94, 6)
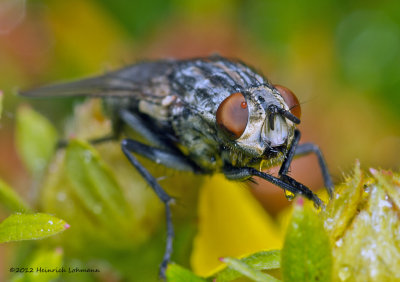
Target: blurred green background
point(341, 58)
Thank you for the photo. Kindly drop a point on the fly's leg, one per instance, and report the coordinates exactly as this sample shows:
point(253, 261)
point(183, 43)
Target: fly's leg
point(166, 158)
point(289, 184)
point(290, 154)
point(140, 126)
point(108, 138)
point(127, 147)
point(113, 136)
point(133, 121)
point(304, 149)
point(307, 148)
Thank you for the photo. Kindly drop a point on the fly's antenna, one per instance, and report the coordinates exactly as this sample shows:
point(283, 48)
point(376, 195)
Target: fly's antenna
point(273, 110)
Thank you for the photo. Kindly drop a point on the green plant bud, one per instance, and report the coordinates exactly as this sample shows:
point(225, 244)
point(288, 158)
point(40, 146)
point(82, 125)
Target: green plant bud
point(363, 223)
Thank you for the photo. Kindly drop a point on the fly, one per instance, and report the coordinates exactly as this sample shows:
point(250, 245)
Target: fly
point(203, 115)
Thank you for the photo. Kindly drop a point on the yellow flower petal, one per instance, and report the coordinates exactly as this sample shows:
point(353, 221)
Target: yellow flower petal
point(231, 223)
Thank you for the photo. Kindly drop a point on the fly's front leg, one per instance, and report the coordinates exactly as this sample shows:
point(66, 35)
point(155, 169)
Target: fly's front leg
point(303, 149)
point(289, 184)
point(290, 154)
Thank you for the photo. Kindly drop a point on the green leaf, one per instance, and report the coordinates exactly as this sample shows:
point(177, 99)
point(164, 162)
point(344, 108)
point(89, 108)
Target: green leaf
point(248, 271)
point(11, 200)
point(259, 261)
point(46, 265)
point(95, 184)
point(176, 273)
point(306, 254)
point(36, 139)
point(20, 226)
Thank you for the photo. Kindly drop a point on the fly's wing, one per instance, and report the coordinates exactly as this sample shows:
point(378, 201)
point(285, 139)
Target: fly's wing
point(128, 82)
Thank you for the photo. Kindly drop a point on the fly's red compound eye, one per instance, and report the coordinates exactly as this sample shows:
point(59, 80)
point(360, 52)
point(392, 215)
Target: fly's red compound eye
point(233, 114)
point(290, 100)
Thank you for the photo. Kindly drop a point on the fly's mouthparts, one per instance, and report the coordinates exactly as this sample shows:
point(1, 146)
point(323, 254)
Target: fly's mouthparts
point(277, 132)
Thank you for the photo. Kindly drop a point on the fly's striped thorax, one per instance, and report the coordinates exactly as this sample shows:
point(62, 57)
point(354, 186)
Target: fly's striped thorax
point(205, 83)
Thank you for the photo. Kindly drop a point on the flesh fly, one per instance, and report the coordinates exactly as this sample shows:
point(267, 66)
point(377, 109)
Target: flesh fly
point(204, 115)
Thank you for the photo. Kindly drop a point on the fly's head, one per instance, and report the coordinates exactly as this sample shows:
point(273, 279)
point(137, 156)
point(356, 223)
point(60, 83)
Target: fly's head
point(259, 122)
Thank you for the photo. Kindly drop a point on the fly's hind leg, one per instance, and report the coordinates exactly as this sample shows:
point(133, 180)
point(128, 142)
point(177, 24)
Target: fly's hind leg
point(107, 138)
point(135, 122)
point(114, 135)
